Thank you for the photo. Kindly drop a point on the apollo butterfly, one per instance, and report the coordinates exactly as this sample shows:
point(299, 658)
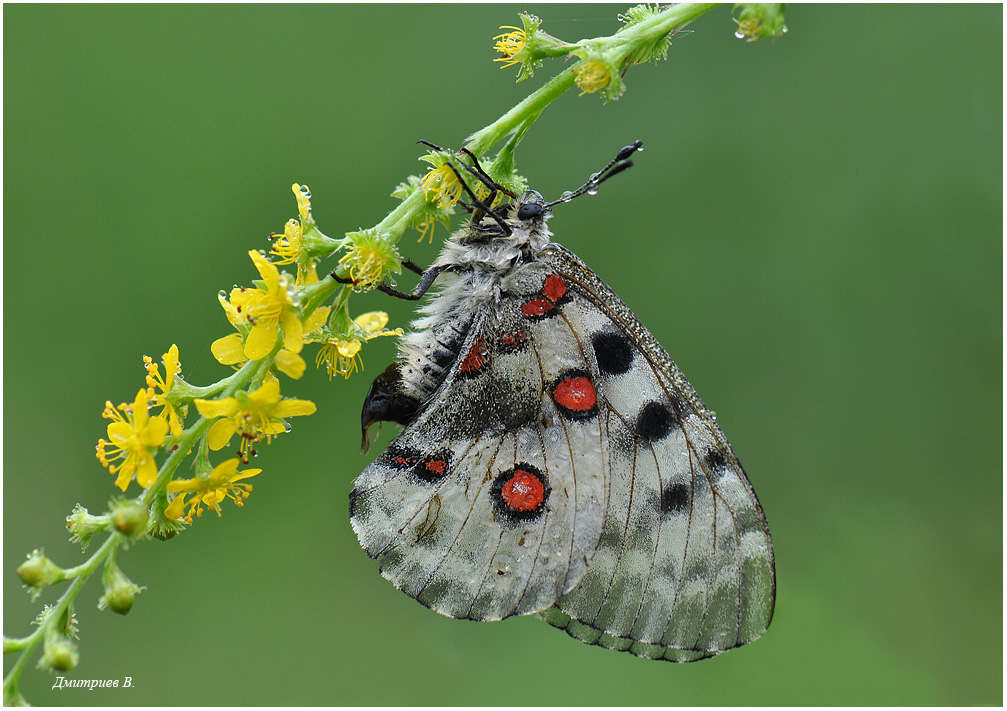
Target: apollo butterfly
point(553, 458)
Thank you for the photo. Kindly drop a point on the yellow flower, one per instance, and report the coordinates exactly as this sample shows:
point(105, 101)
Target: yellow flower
point(133, 436)
point(267, 308)
point(509, 44)
point(427, 214)
point(341, 355)
point(254, 416)
point(155, 382)
point(369, 259)
point(443, 182)
point(222, 483)
point(748, 28)
point(288, 245)
point(592, 76)
point(230, 350)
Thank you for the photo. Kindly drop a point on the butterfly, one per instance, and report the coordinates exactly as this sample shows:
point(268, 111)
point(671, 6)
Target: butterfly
point(553, 458)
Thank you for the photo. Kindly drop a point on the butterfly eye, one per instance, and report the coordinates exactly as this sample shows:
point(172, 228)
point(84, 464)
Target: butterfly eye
point(529, 210)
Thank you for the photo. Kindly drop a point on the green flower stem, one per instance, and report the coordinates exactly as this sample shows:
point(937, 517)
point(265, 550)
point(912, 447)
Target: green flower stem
point(621, 44)
point(81, 573)
point(527, 111)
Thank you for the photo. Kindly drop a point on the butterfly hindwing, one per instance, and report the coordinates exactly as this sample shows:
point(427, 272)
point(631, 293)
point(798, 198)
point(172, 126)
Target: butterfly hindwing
point(490, 503)
point(684, 568)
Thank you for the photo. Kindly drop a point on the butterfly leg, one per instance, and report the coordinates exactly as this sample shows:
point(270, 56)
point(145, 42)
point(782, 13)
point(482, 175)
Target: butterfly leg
point(413, 267)
point(428, 279)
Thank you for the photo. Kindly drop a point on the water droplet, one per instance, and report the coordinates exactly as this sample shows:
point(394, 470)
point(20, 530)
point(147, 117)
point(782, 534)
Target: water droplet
point(739, 35)
point(592, 191)
point(287, 427)
point(222, 294)
point(305, 191)
point(783, 31)
point(567, 196)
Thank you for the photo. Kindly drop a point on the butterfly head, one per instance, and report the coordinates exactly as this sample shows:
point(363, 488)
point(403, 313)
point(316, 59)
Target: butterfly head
point(523, 217)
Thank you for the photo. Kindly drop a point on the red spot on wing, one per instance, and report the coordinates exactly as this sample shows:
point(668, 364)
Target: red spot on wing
point(436, 466)
point(554, 288)
point(537, 308)
point(475, 359)
point(523, 492)
point(513, 340)
point(575, 393)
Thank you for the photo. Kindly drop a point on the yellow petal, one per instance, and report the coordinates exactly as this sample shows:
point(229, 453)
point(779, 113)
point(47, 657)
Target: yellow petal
point(317, 319)
point(176, 508)
point(290, 364)
point(120, 433)
point(217, 408)
point(171, 365)
point(246, 474)
point(269, 273)
point(261, 340)
point(220, 434)
point(153, 434)
point(273, 427)
point(240, 297)
point(267, 394)
point(293, 331)
point(229, 350)
point(348, 349)
point(146, 473)
point(140, 410)
point(186, 485)
point(224, 470)
point(372, 321)
point(123, 478)
point(229, 308)
point(293, 408)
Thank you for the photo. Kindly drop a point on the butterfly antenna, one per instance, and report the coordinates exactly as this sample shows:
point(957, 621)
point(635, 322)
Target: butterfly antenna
point(615, 166)
point(481, 207)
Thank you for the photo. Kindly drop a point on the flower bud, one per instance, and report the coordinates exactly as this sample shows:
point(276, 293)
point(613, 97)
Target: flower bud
point(129, 517)
point(83, 526)
point(119, 590)
point(38, 571)
point(59, 653)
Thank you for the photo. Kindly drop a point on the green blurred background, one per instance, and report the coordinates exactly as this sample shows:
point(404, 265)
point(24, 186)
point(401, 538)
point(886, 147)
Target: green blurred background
point(813, 232)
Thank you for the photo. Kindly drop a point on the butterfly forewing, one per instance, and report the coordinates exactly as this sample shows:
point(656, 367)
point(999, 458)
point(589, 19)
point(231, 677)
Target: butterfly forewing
point(684, 567)
point(490, 502)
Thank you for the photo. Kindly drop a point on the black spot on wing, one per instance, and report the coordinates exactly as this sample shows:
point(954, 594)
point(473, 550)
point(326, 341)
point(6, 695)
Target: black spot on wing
point(655, 421)
point(675, 498)
point(614, 352)
point(715, 464)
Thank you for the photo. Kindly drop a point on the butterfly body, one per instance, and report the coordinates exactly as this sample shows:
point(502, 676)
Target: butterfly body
point(554, 460)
